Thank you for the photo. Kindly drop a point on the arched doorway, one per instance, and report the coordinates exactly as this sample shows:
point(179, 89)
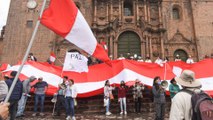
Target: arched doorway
point(182, 54)
point(129, 42)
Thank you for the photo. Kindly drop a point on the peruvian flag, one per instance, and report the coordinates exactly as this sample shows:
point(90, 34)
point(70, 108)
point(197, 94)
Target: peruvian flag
point(92, 82)
point(4, 66)
point(52, 57)
point(64, 18)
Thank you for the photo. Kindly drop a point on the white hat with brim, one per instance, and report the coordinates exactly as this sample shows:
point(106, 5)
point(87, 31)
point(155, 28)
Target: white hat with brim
point(187, 79)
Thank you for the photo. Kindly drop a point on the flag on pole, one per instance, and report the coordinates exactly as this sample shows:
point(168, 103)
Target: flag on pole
point(64, 18)
point(75, 62)
point(4, 66)
point(52, 57)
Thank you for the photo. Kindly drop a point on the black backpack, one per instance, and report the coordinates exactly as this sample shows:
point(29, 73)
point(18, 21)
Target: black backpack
point(201, 104)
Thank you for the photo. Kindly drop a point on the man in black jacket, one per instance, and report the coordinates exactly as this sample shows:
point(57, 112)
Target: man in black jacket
point(15, 96)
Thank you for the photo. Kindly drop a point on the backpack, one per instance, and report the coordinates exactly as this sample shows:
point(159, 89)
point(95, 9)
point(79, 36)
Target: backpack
point(202, 103)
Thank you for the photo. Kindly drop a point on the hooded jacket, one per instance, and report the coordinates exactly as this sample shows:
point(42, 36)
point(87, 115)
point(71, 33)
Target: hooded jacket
point(26, 84)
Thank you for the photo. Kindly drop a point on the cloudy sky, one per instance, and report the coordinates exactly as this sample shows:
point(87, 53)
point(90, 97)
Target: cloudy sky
point(4, 7)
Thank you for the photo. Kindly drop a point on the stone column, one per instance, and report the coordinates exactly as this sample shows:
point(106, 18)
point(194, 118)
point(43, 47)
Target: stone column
point(120, 12)
point(145, 10)
point(115, 49)
point(160, 13)
point(150, 46)
point(107, 12)
point(162, 45)
point(95, 11)
point(122, 8)
point(136, 12)
point(143, 49)
point(148, 12)
point(111, 10)
point(147, 44)
point(111, 45)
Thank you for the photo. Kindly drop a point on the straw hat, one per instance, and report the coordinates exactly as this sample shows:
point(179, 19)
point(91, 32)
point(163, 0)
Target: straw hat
point(187, 79)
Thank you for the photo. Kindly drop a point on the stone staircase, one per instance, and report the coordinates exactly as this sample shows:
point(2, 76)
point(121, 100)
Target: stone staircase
point(94, 105)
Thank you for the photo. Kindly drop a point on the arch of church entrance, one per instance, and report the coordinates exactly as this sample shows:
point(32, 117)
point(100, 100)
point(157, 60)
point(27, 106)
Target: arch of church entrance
point(129, 42)
point(182, 54)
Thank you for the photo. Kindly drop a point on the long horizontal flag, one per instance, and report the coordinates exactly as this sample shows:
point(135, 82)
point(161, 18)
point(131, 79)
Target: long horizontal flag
point(64, 18)
point(91, 83)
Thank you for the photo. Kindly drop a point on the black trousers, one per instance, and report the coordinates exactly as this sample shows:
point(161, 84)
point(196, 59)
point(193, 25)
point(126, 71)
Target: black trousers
point(138, 105)
point(60, 104)
point(160, 111)
point(13, 109)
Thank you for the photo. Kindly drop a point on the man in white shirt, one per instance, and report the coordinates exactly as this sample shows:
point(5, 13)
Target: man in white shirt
point(181, 108)
point(159, 61)
point(190, 60)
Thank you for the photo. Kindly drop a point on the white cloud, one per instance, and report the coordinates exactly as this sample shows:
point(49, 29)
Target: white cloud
point(4, 8)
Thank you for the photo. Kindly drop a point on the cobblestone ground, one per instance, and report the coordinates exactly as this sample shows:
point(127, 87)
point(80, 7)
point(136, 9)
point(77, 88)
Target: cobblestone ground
point(131, 116)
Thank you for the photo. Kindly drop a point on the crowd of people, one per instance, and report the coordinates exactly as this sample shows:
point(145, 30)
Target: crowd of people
point(67, 93)
point(181, 108)
point(159, 60)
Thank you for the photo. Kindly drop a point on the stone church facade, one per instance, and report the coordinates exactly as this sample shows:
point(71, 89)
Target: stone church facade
point(164, 28)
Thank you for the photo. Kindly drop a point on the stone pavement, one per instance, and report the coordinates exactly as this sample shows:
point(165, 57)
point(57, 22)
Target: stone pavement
point(130, 116)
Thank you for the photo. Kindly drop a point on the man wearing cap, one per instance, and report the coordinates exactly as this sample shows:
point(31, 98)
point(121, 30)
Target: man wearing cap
point(15, 95)
point(25, 95)
point(181, 108)
point(40, 90)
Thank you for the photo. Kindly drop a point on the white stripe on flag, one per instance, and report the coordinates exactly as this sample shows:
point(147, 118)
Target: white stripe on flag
point(81, 35)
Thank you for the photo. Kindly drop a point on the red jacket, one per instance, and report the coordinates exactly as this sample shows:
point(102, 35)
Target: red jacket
point(122, 92)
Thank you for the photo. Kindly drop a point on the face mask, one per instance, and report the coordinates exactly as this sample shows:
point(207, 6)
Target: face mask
point(159, 82)
point(67, 82)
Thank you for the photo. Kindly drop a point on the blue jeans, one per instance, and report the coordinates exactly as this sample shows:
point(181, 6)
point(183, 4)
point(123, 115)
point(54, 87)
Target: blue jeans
point(123, 104)
point(69, 102)
point(21, 105)
point(107, 106)
point(42, 98)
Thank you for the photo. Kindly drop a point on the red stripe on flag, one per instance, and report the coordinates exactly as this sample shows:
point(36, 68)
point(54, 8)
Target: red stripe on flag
point(60, 16)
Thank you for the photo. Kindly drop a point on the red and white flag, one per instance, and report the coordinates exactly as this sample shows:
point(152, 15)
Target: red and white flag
point(92, 82)
point(52, 57)
point(4, 66)
point(64, 18)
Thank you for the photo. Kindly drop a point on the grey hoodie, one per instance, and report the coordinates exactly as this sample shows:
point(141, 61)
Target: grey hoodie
point(26, 84)
point(3, 90)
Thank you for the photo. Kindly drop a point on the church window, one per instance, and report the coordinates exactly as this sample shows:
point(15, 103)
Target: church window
point(29, 23)
point(128, 8)
point(176, 13)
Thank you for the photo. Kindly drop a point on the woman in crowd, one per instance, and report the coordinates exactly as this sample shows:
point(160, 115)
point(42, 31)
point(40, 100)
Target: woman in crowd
point(107, 96)
point(173, 88)
point(159, 98)
point(137, 95)
point(70, 95)
point(122, 97)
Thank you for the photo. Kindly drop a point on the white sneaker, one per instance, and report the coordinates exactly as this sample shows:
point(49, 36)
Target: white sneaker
point(34, 114)
point(125, 112)
point(68, 118)
point(108, 113)
point(73, 118)
point(121, 112)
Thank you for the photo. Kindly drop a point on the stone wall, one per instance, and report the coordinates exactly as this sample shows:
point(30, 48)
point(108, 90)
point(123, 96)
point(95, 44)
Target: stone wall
point(203, 22)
